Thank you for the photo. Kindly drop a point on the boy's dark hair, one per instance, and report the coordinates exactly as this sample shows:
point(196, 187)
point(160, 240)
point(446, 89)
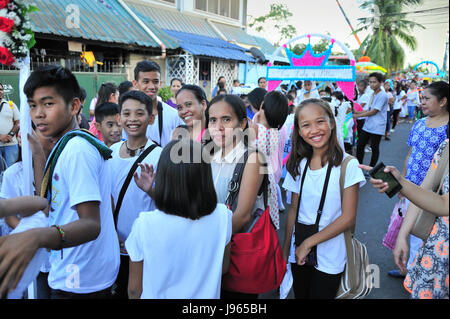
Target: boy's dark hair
point(124, 87)
point(138, 96)
point(61, 79)
point(146, 66)
point(379, 76)
point(105, 109)
point(263, 77)
point(184, 187)
point(256, 97)
point(276, 109)
point(338, 95)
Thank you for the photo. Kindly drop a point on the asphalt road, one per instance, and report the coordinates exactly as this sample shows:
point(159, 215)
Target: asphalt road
point(374, 211)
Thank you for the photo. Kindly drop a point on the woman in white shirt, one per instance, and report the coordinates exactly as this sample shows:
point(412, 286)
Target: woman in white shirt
point(399, 94)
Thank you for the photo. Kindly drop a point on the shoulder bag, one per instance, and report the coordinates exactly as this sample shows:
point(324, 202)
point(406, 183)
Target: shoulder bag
point(354, 281)
point(425, 220)
point(256, 259)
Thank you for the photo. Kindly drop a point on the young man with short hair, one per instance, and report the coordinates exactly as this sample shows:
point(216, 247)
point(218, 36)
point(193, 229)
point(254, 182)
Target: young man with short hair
point(375, 124)
point(81, 236)
point(147, 79)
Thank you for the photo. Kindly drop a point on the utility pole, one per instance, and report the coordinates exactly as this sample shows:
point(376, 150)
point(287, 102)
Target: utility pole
point(444, 64)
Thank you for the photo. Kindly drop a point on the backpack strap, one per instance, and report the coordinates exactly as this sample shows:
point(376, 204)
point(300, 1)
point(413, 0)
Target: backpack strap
point(125, 185)
point(160, 121)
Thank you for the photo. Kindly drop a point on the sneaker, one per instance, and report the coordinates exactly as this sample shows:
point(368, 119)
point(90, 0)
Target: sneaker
point(368, 149)
point(387, 138)
point(392, 130)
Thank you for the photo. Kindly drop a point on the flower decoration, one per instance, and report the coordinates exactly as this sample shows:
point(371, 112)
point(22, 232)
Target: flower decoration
point(16, 36)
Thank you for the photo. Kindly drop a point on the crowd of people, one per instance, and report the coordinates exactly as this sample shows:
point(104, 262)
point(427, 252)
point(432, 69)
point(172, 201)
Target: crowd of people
point(138, 200)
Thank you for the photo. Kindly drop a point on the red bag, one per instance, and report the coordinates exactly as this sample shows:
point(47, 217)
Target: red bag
point(395, 223)
point(256, 259)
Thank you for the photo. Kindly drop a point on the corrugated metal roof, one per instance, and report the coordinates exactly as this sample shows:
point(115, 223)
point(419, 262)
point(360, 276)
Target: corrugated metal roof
point(235, 34)
point(103, 20)
point(206, 46)
point(172, 19)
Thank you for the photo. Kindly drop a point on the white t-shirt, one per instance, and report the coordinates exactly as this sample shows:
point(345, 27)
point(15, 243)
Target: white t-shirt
point(331, 254)
point(170, 121)
point(135, 200)
point(398, 100)
point(364, 99)
point(182, 257)
point(80, 176)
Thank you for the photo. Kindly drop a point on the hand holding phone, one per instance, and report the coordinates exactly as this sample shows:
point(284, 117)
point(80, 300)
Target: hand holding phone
point(378, 173)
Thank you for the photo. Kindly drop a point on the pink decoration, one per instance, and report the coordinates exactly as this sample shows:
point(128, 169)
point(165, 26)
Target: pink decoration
point(309, 36)
point(348, 88)
point(272, 85)
point(357, 107)
point(308, 60)
point(285, 45)
point(352, 62)
point(269, 63)
point(333, 40)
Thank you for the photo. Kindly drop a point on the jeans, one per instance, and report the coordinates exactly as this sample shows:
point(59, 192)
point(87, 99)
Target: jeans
point(411, 109)
point(10, 153)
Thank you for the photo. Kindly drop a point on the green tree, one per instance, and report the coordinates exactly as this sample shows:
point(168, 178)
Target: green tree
point(278, 14)
point(388, 27)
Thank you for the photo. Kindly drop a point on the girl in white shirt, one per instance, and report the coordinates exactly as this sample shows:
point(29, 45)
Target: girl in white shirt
point(314, 141)
point(227, 124)
point(177, 250)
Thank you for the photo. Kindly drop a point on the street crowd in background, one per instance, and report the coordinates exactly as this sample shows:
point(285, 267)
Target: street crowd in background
point(159, 228)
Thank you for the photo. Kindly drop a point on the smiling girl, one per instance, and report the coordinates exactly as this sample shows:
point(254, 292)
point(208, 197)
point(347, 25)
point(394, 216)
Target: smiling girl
point(316, 153)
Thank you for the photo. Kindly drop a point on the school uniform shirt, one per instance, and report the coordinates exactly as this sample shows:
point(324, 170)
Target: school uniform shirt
point(182, 257)
point(80, 176)
point(331, 254)
point(170, 121)
point(135, 200)
point(398, 100)
point(376, 124)
point(8, 115)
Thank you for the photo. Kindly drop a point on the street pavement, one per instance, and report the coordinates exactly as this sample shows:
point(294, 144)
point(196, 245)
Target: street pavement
point(374, 211)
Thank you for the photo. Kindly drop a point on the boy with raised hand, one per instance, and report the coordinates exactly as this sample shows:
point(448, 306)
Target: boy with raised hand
point(107, 122)
point(147, 79)
point(135, 117)
point(85, 252)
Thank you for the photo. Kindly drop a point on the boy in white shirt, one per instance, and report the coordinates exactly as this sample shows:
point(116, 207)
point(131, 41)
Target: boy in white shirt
point(147, 79)
point(135, 117)
point(77, 187)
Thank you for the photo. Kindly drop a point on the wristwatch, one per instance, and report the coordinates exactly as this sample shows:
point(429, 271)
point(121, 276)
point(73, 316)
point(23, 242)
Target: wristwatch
point(11, 133)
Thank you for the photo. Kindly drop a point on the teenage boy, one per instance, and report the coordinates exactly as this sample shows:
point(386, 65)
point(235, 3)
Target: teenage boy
point(375, 123)
point(84, 255)
point(147, 79)
point(135, 116)
point(107, 122)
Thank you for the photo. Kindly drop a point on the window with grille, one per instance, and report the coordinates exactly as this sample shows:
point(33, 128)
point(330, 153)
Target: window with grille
point(226, 8)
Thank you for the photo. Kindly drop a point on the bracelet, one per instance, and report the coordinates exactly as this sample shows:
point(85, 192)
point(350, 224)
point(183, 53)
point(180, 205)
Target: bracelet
point(62, 235)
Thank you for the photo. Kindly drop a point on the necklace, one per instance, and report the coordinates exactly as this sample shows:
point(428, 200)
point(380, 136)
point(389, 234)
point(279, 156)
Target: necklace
point(132, 152)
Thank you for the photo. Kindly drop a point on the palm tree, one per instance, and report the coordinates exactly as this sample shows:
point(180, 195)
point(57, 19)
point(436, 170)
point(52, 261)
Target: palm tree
point(388, 28)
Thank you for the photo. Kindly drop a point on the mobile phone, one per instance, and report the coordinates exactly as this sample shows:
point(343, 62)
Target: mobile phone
point(378, 173)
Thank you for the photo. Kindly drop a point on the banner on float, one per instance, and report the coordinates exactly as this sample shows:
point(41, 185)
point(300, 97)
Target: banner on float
point(333, 73)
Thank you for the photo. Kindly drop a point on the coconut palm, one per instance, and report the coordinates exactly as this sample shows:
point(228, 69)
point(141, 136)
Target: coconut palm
point(388, 28)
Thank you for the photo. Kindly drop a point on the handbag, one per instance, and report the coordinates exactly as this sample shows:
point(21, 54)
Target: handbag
point(303, 231)
point(425, 220)
point(397, 216)
point(256, 259)
point(354, 283)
